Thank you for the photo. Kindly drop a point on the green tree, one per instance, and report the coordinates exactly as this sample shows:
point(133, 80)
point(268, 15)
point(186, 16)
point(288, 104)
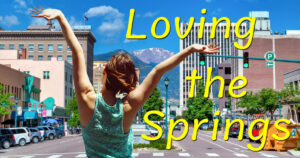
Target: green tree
point(198, 106)
point(268, 99)
point(5, 103)
point(72, 109)
point(154, 102)
point(250, 103)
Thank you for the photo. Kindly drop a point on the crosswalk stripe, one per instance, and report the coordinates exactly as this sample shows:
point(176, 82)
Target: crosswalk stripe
point(212, 154)
point(268, 155)
point(81, 155)
point(54, 156)
point(158, 154)
point(135, 154)
point(184, 154)
point(240, 155)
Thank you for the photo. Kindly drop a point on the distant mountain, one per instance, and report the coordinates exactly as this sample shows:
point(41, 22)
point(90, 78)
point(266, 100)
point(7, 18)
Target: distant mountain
point(152, 55)
point(145, 68)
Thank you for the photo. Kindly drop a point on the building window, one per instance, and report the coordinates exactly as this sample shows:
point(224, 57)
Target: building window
point(69, 49)
point(21, 46)
point(30, 57)
point(11, 46)
point(41, 47)
point(49, 57)
point(66, 76)
point(50, 47)
point(69, 58)
point(40, 57)
point(60, 47)
point(31, 47)
point(227, 70)
point(2, 46)
point(46, 74)
point(59, 57)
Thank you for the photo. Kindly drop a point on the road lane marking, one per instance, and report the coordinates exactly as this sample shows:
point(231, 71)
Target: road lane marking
point(54, 156)
point(81, 155)
point(226, 141)
point(135, 154)
point(184, 154)
point(212, 154)
point(158, 154)
point(240, 155)
point(267, 155)
point(211, 142)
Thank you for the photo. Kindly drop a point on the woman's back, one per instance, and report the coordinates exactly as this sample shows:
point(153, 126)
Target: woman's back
point(104, 135)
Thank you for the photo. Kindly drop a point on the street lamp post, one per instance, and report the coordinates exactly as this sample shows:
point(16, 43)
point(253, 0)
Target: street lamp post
point(279, 104)
point(16, 113)
point(166, 120)
point(42, 104)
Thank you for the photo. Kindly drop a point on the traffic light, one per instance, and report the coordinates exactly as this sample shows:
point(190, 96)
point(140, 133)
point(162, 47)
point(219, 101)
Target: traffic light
point(202, 59)
point(246, 60)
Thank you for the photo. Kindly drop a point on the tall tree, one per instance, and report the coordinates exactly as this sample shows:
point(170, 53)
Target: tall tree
point(250, 103)
point(72, 109)
point(198, 106)
point(154, 102)
point(5, 103)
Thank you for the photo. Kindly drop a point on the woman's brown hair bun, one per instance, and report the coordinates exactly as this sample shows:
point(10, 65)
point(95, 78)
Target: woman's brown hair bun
point(121, 74)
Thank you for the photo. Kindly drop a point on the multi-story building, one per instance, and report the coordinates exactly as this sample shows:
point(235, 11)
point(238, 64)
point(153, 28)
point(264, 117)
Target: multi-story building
point(56, 76)
point(193, 61)
point(13, 82)
point(258, 74)
point(43, 43)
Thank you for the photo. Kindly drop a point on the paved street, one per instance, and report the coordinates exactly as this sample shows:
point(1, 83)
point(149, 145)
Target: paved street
point(72, 147)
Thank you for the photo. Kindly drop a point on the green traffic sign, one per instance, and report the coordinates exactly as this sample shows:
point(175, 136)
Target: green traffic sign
point(270, 64)
point(270, 56)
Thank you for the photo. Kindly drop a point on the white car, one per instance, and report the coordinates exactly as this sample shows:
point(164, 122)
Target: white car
point(22, 135)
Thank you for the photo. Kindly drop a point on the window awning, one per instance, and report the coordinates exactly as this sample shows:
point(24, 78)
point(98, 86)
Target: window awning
point(60, 112)
point(26, 115)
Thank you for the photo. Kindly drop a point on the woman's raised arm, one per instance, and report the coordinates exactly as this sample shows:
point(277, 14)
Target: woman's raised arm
point(141, 93)
point(84, 90)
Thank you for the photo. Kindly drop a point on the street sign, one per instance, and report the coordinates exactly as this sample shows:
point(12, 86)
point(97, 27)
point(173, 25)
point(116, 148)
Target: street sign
point(270, 56)
point(294, 132)
point(270, 64)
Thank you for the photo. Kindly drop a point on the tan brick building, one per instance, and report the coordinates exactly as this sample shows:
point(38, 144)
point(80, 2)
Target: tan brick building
point(43, 43)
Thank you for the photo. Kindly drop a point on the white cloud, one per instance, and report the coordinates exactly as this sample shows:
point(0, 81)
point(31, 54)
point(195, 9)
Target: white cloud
point(208, 1)
point(113, 21)
point(41, 21)
point(9, 20)
point(129, 40)
point(147, 15)
point(21, 6)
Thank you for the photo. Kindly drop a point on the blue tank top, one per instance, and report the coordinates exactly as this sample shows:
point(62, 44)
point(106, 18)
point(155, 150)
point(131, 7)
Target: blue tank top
point(104, 135)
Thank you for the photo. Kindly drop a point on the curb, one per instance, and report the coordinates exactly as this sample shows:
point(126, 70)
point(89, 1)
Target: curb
point(294, 153)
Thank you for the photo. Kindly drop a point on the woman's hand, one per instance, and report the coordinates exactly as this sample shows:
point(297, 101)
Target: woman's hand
point(48, 14)
point(210, 49)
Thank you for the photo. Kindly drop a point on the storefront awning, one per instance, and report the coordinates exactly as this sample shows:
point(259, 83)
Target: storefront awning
point(60, 112)
point(26, 115)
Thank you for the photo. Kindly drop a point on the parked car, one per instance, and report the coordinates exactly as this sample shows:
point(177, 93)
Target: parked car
point(235, 130)
point(35, 135)
point(255, 133)
point(153, 131)
point(22, 135)
point(59, 133)
point(42, 131)
point(7, 139)
point(177, 127)
point(49, 132)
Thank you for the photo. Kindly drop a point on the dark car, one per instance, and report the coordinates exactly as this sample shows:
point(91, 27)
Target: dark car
point(7, 138)
point(177, 127)
point(255, 133)
point(59, 133)
point(235, 129)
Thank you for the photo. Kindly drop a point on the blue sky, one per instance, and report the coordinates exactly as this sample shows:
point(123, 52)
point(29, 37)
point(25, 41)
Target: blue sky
point(109, 18)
